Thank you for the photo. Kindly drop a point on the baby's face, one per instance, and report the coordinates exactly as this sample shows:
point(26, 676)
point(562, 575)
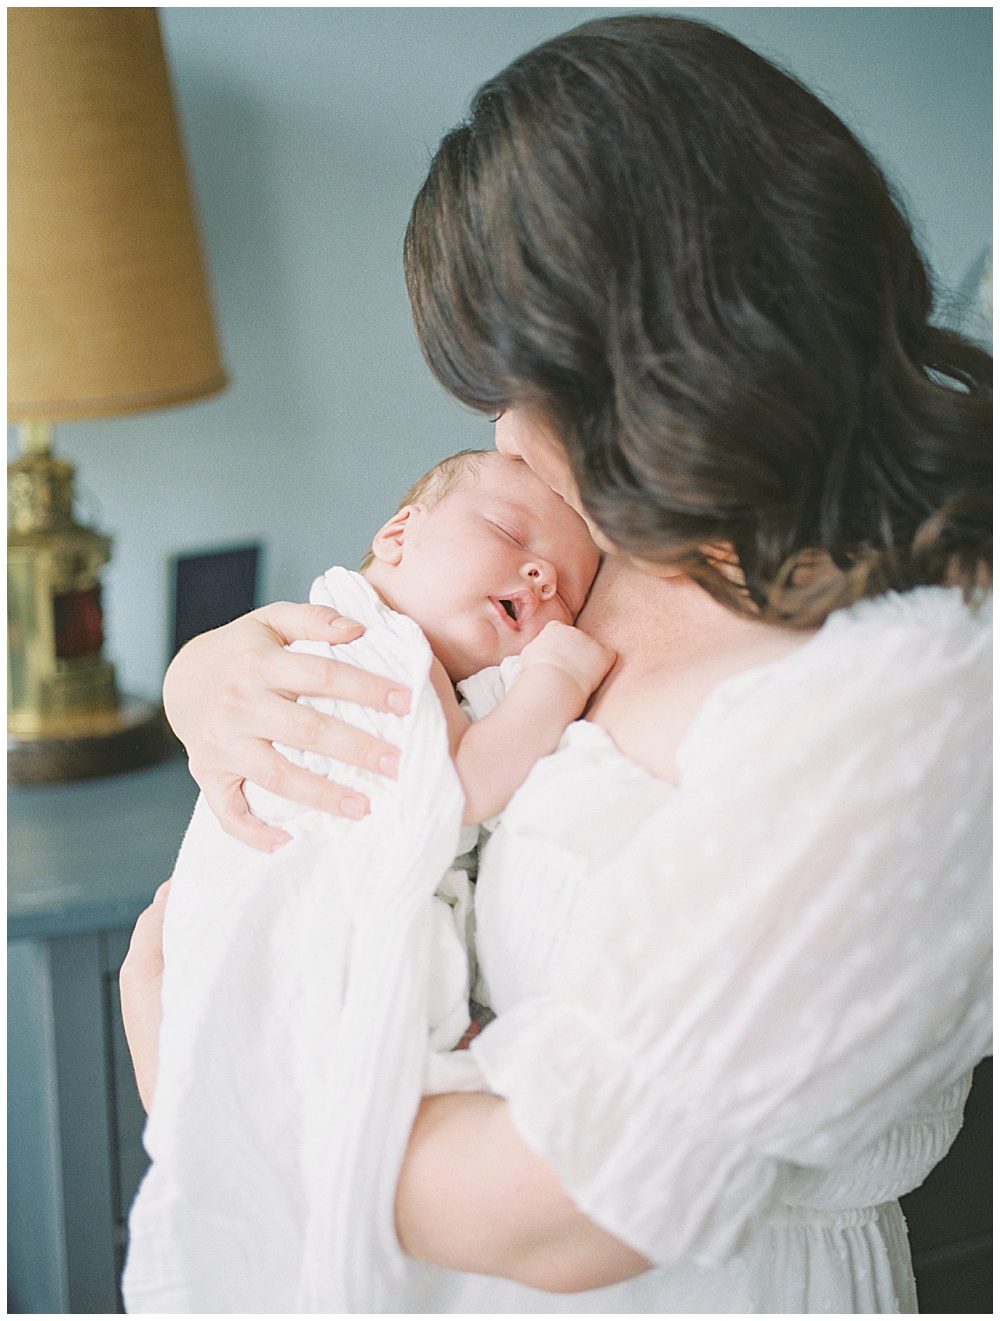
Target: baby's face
point(487, 567)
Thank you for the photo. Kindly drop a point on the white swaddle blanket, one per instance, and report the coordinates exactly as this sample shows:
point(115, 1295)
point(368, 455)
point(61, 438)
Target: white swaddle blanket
point(304, 995)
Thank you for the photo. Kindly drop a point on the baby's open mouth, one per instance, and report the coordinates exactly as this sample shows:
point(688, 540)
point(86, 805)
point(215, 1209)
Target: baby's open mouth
point(515, 610)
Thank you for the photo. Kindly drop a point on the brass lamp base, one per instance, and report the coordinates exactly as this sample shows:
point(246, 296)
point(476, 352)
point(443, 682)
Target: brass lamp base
point(134, 735)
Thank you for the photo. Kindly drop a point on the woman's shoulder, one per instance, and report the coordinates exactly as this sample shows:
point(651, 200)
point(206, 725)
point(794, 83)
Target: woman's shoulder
point(877, 672)
point(926, 632)
point(847, 785)
point(915, 638)
point(944, 613)
point(928, 650)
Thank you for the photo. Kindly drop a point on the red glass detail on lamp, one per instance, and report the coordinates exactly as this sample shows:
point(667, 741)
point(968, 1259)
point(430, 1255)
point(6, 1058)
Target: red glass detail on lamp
point(79, 622)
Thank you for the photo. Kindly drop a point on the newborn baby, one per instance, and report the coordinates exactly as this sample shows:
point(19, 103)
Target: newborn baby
point(491, 563)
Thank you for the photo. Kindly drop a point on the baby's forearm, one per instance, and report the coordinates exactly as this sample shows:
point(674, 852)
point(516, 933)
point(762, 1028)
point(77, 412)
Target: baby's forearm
point(495, 754)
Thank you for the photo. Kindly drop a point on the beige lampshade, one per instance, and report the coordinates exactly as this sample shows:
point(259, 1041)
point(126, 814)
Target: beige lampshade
point(108, 306)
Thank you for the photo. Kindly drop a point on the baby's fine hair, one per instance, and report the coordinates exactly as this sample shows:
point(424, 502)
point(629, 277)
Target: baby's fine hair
point(441, 480)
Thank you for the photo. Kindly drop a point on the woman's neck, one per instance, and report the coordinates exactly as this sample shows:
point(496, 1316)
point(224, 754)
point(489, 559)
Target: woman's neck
point(660, 620)
point(674, 644)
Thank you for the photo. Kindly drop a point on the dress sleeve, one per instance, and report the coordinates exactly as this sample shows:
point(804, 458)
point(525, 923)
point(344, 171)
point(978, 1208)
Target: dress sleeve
point(785, 958)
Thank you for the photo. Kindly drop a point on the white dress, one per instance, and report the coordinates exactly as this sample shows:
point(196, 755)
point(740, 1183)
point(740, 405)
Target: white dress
point(738, 1015)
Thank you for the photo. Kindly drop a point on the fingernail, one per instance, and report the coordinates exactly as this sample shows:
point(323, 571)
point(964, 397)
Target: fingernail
point(277, 844)
point(388, 764)
point(345, 625)
point(398, 701)
point(354, 806)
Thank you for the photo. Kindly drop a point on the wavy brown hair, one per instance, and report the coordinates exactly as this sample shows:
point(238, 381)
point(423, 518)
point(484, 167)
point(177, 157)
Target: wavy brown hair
point(702, 281)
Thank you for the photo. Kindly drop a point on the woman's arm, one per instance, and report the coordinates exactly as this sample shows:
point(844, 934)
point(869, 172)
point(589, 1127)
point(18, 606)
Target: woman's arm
point(231, 693)
point(139, 982)
point(473, 1197)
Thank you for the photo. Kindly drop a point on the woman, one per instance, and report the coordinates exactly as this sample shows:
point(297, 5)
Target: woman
point(735, 929)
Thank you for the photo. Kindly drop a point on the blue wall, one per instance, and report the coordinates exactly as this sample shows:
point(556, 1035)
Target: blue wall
point(308, 131)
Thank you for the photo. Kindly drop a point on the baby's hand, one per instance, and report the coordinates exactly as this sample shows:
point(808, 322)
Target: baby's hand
point(571, 650)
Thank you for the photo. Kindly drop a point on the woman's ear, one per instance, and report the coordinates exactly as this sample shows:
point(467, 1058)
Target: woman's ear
point(387, 545)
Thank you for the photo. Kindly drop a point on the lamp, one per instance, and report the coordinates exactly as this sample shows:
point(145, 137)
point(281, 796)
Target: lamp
point(108, 313)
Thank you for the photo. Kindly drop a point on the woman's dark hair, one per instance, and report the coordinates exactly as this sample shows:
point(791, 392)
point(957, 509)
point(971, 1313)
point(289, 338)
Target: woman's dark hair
point(700, 280)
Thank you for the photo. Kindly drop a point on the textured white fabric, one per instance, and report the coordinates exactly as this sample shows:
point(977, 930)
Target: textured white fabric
point(299, 992)
point(738, 1015)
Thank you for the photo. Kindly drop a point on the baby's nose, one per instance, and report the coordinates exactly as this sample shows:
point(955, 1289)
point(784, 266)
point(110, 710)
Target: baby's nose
point(542, 577)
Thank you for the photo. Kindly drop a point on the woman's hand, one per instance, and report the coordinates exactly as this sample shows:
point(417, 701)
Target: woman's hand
point(231, 693)
point(139, 983)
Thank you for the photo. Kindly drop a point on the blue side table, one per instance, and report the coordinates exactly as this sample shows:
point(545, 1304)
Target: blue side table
point(83, 861)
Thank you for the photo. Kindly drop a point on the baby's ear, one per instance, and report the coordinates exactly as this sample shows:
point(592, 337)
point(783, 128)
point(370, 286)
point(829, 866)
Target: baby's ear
point(388, 543)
